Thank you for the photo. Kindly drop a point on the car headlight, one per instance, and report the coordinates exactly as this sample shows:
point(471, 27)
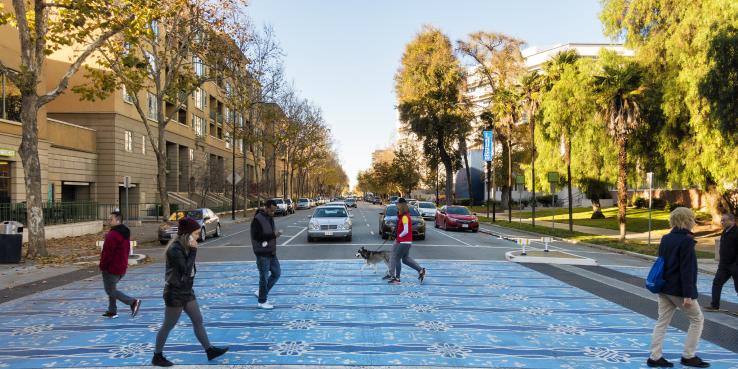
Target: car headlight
point(314, 226)
point(347, 224)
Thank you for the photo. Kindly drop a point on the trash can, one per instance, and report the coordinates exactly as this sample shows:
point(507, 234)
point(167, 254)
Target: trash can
point(11, 242)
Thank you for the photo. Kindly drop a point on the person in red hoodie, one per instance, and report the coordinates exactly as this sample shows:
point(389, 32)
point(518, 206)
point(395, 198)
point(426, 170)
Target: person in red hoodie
point(114, 263)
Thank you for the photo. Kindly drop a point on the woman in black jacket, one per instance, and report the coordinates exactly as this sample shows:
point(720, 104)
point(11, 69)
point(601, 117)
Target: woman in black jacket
point(178, 293)
point(679, 291)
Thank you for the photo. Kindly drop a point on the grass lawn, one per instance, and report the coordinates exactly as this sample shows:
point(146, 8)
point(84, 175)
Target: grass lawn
point(634, 246)
point(636, 220)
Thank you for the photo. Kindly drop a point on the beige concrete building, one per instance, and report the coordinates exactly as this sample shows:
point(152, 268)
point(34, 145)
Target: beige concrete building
point(86, 148)
point(383, 156)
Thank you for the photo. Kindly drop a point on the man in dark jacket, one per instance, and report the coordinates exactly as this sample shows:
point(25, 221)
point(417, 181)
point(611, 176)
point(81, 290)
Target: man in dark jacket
point(114, 263)
point(264, 242)
point(728, 265)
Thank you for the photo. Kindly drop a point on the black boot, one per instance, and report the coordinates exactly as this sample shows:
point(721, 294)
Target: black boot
point(160, 360)
point(214, 352)
point(660, 363)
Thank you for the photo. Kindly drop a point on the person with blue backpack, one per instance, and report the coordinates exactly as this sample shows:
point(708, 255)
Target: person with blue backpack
point(676, 285)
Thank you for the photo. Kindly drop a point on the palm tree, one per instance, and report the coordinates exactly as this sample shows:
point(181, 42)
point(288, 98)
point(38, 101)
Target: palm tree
point(531, 86)
point(505, 109)
point(618, 88)
point(554, 69)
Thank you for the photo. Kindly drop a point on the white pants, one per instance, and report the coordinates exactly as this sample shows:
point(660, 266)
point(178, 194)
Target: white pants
point(667, 306)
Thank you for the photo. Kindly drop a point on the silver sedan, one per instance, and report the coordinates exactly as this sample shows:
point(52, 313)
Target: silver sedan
point(330, 221)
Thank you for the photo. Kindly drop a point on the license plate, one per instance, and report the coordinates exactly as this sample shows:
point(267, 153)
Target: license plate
point(464, 226)
point(329, 233)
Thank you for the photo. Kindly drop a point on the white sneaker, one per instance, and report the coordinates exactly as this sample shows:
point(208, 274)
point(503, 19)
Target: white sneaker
point(265, 306)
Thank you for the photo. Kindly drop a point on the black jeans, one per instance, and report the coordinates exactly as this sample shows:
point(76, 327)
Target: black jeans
point(267, 264)
point(723, 274)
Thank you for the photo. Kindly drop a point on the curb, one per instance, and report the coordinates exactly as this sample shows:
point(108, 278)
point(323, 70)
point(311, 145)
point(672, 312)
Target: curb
point(592, 245)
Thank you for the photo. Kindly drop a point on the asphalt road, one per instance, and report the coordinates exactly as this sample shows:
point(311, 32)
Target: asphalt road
point(293, 244)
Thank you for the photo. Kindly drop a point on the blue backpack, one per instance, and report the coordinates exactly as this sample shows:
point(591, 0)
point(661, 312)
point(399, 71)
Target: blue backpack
point(655, 280)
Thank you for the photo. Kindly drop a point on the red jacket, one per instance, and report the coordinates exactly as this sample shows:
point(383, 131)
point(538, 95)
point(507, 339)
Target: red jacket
point(404, 220)
point(117, 246)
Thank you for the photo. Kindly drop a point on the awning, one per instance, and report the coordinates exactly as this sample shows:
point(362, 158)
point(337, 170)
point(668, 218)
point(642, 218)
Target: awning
point(65, 183)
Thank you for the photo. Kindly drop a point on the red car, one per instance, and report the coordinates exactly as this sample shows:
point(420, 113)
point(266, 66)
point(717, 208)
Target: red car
point(456, 217)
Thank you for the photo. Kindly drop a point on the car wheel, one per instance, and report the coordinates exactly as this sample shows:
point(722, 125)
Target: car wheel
point(348, 238)
point(163, 242)
point(310, 239)
point(203, 235)
point(475, 230)
point(422, 238)
point(218, 231)
point(384, 235)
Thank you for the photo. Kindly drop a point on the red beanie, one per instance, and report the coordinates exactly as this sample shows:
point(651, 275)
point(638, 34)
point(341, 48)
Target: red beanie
point(187, 225)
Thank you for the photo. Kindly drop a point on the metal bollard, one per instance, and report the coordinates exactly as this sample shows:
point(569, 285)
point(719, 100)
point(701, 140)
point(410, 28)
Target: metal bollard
point(546, 241)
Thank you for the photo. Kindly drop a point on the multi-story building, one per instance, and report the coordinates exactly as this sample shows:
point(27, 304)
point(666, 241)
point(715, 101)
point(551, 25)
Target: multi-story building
point(383, 156)
point(86, 148)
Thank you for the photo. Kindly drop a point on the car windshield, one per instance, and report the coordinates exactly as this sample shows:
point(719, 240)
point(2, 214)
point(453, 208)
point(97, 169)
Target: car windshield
point(330, 213)
point(278, 201)
point(177, 215)
point(427, 205)
point(392, 211)
point(303, 200)
point(458, 211)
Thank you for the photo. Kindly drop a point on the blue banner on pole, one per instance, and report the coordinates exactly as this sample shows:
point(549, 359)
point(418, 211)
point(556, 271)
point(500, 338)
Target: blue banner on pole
point(488, 145)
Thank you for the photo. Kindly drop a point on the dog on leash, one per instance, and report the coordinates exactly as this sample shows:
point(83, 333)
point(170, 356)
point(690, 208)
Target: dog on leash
point(373, 258)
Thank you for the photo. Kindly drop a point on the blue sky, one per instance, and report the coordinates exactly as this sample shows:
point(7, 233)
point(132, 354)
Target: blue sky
point(343, 54)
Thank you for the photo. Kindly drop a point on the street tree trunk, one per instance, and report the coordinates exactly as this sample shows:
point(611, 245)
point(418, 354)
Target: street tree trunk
point(161, 176)
point(534, 154)
point(447, 163)
point(32, 167)
point(568, 183)
point(622, 189)
point(508, 143)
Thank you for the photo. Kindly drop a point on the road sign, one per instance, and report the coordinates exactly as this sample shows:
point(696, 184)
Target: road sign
point(127, 181)
point(489, 145)
point(230, 178)
point(553, 177)
point(520, 179)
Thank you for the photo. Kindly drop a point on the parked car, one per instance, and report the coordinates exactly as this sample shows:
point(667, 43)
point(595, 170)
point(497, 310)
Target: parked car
point(376, 200)
point(393, 199)
point(456, 217)
point(282, 208)
point(427, 209)
point(302, 204)
point(290, 206)
point(412, 202)
point(388, 222)
point(351, 203)
point(206, 218)
point(330, 221)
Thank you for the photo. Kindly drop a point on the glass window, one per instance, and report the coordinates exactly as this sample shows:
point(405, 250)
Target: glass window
point(458, 211)
point(199, 99)
point(4, 182)
point(152, 63)
point(192, 154)
point(153, 108)
point(427, 205)
point(198, 67)
point(330, 213)
point(198, 124)
point(392, 211)
point(128, 141)
point(227, 139)
point(143, 145)
point(126, 96)
point(195, 214)
point(11, 100)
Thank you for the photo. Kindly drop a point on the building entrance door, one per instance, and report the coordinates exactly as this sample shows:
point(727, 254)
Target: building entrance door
point(4, 182)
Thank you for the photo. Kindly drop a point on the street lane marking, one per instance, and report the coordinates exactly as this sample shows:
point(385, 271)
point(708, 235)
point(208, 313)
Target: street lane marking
point(293, 237)
point(372, 232)
point(449, 236)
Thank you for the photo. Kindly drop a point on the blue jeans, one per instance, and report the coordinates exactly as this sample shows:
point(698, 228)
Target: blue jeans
point(267, 264)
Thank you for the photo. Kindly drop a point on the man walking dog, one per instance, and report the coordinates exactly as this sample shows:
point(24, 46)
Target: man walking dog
point(114, 263)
